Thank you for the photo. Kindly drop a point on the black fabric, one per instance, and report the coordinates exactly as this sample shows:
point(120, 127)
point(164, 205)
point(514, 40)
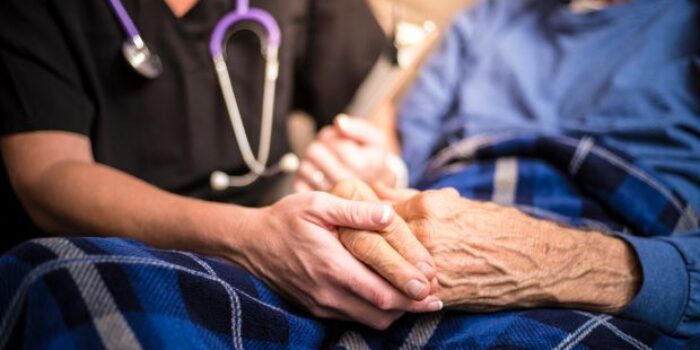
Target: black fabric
point(62, 69)
point(15, 224)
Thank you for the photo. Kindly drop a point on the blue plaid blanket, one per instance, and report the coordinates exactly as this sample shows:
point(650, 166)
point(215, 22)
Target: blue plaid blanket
point(115, 293)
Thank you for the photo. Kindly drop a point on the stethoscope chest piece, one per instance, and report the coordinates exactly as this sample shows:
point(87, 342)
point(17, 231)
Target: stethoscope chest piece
point(141, 58)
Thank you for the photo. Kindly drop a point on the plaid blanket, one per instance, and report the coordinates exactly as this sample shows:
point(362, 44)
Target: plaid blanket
point(115, 293)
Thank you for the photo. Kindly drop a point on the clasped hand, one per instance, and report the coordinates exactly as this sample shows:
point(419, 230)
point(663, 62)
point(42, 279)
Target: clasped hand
point(490, 257)
point(294, 247)
point(435, 247)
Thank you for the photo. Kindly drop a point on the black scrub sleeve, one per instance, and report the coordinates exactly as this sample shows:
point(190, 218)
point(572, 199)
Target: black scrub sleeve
point(344, 42)
point(41, 86)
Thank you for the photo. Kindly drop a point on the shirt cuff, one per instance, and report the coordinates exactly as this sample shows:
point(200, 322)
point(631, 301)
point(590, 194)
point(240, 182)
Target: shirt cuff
point(663, 296)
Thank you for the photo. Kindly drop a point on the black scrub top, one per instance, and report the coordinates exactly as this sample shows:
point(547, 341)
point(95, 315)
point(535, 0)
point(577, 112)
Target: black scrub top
point(61, 68)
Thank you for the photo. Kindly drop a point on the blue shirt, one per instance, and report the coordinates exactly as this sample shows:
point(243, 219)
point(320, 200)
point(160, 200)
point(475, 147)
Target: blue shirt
point(628, 75)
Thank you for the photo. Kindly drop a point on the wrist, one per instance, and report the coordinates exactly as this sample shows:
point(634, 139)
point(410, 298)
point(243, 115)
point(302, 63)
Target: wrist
point(222, 230)
point(609, 276)
point(619, 269)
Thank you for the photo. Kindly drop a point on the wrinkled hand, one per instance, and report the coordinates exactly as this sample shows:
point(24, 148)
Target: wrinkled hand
point(293, 246)
point(350, 148)
point(492, 257)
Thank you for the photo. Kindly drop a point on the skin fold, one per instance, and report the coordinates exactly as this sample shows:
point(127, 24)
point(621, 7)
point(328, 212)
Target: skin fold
point(490, 257)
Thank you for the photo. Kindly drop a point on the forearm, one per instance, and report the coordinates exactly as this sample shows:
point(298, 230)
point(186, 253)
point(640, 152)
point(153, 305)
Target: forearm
point(82, 198)
point(603, 273)
point(554, 267)
point(492, 257)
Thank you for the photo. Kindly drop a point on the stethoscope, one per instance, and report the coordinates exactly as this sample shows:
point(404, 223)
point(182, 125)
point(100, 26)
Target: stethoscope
point(149, 65)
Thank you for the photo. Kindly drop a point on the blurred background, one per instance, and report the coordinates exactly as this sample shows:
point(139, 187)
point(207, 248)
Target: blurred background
point(415, 27)
point(417, 11)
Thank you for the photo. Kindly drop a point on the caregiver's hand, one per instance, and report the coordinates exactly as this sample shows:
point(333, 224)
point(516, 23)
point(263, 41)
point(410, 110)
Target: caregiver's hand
point(294, 247)
point(350, 148)
point(491, 257)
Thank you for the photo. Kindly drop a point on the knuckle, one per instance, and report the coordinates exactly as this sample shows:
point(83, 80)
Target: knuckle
point(450, 192)
point(432, 198)
point(330, 270)
point(423, 203)
point(357, 212)
point(382, 301)
point(324, 275)
point(323, 299)
point(317, 201)
point(345, 188)
point(431, 203)
point(314, 150)
point(397, 228)
point(422, 230)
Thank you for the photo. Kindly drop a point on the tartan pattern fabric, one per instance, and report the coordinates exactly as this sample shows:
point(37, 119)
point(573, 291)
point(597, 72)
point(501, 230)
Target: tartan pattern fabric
point(115, 293)
point(574, 181)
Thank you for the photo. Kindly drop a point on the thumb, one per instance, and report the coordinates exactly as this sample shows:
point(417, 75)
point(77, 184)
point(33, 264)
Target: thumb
point(358, 130)
point(360, 215)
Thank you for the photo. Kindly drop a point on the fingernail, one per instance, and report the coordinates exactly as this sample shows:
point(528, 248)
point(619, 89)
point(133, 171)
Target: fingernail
point(382, 214)
point(424, 267)
point(435, 305)
point(414, 288)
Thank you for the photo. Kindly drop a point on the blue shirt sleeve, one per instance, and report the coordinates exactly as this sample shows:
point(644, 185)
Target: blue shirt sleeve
point(669, 297)
point(429, 101)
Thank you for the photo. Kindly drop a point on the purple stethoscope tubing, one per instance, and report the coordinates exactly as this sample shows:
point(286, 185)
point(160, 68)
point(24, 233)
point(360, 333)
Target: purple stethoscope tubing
point(134, 49)
point(270, 48)
point(149, 65)
point(244, 13)
point(124, 19)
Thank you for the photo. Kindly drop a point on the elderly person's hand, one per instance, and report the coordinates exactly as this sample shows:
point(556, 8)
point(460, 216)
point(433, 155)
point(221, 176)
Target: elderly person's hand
point(350, 148)
point(492, 257)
